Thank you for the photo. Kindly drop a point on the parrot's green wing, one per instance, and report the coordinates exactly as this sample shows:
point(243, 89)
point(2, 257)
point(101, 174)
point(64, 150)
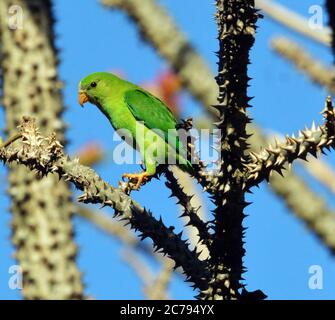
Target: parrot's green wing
point(149, 109)
point(156, 115)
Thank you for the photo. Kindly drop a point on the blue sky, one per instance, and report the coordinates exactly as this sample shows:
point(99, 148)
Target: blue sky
point(280, 249)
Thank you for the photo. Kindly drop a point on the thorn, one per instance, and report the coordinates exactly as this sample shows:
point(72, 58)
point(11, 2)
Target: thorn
point(277, 142)
point(302, 149)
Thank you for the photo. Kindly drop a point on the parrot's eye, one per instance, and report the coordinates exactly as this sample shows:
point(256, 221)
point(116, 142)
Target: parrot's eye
point(93, 84)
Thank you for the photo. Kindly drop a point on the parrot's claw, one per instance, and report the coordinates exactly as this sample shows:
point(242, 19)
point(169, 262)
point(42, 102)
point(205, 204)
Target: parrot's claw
point(138, 178)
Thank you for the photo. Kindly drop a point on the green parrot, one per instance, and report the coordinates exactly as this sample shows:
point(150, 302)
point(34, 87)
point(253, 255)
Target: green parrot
point(145, 122)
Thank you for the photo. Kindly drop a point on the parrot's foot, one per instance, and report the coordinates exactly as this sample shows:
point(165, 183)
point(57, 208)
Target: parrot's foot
point(138, 178)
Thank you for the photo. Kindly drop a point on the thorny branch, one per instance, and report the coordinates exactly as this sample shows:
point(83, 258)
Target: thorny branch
point(45, 155)
point(191, 188)
point(309, 141)
point(236, 32)
point(189, 211)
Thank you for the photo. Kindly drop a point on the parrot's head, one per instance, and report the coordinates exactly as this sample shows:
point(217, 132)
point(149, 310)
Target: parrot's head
point(95, 87)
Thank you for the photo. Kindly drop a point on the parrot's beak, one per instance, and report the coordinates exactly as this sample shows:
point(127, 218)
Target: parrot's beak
point(82, 97)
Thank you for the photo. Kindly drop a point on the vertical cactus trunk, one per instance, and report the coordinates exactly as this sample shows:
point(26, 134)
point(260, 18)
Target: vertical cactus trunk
point(236, 25)
point(41, 206)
